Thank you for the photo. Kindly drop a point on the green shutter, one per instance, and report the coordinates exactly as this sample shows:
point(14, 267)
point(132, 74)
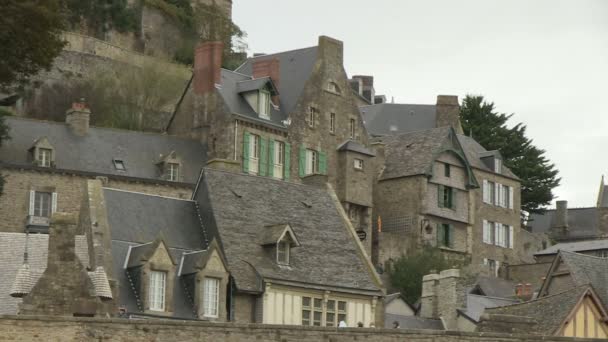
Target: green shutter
point(287, 165)
point(302, 166)
point(440, 196)
point(263, 157)
point(246, 152)
point(322, 163)
point(271, 157)
point(453, 198)
point(439, 235)
point(451, 237)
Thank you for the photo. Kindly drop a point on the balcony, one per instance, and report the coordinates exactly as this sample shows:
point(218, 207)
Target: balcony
point(38, 224)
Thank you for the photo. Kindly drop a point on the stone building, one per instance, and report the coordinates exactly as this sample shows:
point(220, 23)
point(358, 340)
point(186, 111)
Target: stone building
point(46, 166)
point(246, 249)
point(288, 116)
point(437, 186)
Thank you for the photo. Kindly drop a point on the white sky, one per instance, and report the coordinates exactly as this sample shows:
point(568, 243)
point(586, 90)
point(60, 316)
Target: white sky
point(544, 60)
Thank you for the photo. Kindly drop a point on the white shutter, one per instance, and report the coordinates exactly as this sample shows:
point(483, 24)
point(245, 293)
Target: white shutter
point(500, 195)
point(510, 197)
point(496, 194)
point(511, 237)
point(54, 203)
point(497, 234)
point(485, 191)
point(32, 199)
point(497, 267)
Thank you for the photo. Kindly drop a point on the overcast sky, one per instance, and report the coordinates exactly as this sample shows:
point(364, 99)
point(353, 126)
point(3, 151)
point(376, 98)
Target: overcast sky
point(544, 60)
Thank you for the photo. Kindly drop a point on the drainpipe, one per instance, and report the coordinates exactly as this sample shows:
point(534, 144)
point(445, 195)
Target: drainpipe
point(236, 131)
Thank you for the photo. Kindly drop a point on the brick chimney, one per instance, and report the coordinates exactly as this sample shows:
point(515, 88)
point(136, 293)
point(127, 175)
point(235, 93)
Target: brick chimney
point(78, 118)
point(207, 66)
point(268, 68)
point(559, 224)
point(448, 112)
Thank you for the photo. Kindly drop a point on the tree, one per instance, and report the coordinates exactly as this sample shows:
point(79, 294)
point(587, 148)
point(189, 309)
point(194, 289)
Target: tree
point(3, 137)
point(538, 175)
point(406, 273)
point(30, 36)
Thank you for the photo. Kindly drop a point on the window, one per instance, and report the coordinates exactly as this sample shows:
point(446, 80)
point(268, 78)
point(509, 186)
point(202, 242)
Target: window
point(498, 234)
point(446, 196)
point(312, 312)
point(312, 162)
point(446, 170)
point(333, 87)
point(445, 236)
point(254, 154)
point(330, 314)
point(156, 294)
point(211, 295)
point(119, 165)
point(359, 164)
point(306, 310)
point(312, 114)
point(44, 157)
point(264, 104)
point(317, 312)
point(283, 253)
point(492, 266)
point(173, 172)
point(341, 311)
point(42, 204)
point(352, 128)
point(489, 192)
point(497, 165)
point(332, 122)
point(279, 159)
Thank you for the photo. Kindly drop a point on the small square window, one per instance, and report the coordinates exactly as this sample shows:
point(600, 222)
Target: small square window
point(359, 164)
point(119, 165)
point(446, 170)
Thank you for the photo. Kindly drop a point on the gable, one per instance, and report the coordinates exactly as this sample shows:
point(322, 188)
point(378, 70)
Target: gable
point(586, 320)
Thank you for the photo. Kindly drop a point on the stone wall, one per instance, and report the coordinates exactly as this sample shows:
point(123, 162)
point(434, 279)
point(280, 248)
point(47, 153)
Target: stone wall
point(50, 329)
point(14, 202)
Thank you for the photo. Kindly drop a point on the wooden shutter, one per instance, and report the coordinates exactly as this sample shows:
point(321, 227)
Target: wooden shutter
point(302, 166)
point(32, 202)
point(286, 167)
point(440, 202)
point(486, 232)
point(246, 136)
point(322, 163)
point(271, 157)
point(510, 197)
point(440, 235)
point(451, 236)
point(486, 193)
point(263, 157)
point(53, 202)
point(511, 237)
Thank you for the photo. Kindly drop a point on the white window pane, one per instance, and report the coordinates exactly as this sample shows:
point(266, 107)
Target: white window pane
point(211, 288)
point(157, 290)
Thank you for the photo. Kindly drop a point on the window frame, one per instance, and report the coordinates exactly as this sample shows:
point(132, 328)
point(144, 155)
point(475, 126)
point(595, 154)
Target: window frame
point(497, 165)
point(447, 170)
point(332, 122)
point(278, 159)
point(44, 157)
point(312, 113)
point(211, 300)
point(39, 204)
point(351, 127)
point(117, 162)
point(312, 162)
point(309, 308)
point(448, 197)
point(358, 161)
point(254, 153)
point(173, 170)
point(264, 108)
point(157, 294)
point(286, 252)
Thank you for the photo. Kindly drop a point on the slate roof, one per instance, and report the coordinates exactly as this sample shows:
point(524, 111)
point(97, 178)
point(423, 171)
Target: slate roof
point(603, 202)
point(295, 69)
point(393, 118)
point(137, 219)
point(476, 305)
point(94, 152)
point(354, 146)
point(579, 246)
point(327, 255)
point(255, 84)
point(12, 246)
point(495, 287)
point(586, 269)
point(413, 322)
point(549, 312)
point(582, 222)
point(474, 151)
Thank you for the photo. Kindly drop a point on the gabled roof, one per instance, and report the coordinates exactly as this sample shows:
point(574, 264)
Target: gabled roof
point(328, 255)
point(475, 152)
point(583, 223)
point(495, 287)
point(193, 262)
point(256, 84)
point(94, 152)
point(354, 146)
point(295, 68)
point(586, 269)
point(394, 118)
point(476, 305)
point(140, 254)
point(272, 234)
point(577, 247)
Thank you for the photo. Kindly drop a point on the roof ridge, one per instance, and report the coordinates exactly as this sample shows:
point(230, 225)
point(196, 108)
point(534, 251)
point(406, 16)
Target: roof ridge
point(283, 181)
point(586, 285)
point(276, 53)
point(582, 255)
point(150, 195)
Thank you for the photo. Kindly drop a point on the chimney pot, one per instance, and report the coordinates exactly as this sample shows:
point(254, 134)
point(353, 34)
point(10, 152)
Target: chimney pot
point(78, 117)
point(207, 66)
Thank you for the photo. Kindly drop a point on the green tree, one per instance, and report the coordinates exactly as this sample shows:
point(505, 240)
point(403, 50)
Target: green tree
point(30, 36)
point(538, 175)
point(406, 273)
point(3, 137)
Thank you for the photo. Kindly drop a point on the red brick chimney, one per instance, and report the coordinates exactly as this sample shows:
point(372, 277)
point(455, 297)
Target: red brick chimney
point(207, 66)
point(268, 68)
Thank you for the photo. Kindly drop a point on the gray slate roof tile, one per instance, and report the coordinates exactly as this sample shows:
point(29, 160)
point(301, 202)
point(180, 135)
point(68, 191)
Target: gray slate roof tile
point(582, 222)
point(412, 322)
point(394, 118)
point(577, 247)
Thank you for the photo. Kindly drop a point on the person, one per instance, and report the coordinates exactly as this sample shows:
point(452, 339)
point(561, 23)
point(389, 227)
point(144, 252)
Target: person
point(342, 324)
point(395, 325)
point(360, 325)
point(372, 325)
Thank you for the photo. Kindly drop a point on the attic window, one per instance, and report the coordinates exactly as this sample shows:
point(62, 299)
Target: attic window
point(44, 157)
point(173, 172)
point(333, 87)
point(497, 165)
point(119, 165)
point(264, 104)
point(283, 250)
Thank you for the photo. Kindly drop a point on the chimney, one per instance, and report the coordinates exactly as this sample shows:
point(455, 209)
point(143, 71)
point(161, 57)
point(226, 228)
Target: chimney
point(207, 66)
point(524, 291)
point(268, 68)
point(78, 117)
point(448, 112)
point(559, 225)
point(451, 295)
point(367, 87)
point(428, 299)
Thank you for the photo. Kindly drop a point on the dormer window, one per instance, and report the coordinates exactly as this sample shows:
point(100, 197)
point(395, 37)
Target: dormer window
point(44, 157)
point(264, 104)
point(158, 282)
point(281, 239)
point(173, 172)
point(119, 164)
point(497, 165)
point(283, 253)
